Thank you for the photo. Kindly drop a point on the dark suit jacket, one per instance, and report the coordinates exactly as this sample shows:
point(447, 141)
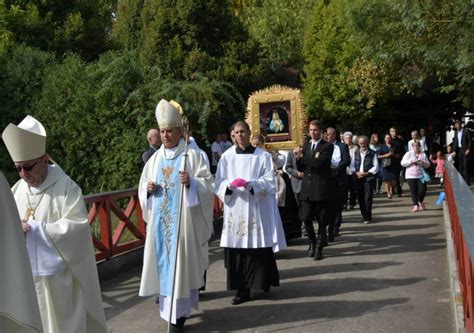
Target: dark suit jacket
point(317, 170)
point(465, 141)
point(147, 154)
point(341, 175)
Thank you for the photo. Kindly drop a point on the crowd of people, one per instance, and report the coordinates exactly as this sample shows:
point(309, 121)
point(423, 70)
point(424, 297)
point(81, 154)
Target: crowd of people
point(54, 262)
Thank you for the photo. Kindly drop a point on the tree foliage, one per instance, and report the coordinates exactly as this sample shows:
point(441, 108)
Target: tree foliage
point(79, 26)
point(21, 77)
point(279, 26)
point(188, 39)
point(97, 115)
point(362, 56)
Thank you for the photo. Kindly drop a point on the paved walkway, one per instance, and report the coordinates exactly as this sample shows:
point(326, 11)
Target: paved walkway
point(389, 276)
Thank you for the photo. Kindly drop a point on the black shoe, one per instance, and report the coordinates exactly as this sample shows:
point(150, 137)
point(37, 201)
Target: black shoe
point(324, 242)
point(331, 235)
point(178, 327)
point(242, 296)
point(318, 255)
point(336, 232)
point(312, 248)
point(267, 289)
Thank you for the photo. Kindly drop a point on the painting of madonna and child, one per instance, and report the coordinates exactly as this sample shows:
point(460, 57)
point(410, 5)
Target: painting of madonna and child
point(275, 121)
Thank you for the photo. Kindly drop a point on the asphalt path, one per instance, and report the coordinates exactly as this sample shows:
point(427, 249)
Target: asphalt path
point(388, 276)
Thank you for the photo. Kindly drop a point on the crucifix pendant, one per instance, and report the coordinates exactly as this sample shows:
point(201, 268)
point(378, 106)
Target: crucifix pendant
point(30, 212)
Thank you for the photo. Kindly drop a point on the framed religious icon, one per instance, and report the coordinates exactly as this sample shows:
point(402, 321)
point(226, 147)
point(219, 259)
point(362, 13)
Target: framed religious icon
point(278, 114)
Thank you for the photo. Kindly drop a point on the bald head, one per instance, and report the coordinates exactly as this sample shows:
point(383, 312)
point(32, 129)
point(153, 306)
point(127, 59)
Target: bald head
point(153, 137)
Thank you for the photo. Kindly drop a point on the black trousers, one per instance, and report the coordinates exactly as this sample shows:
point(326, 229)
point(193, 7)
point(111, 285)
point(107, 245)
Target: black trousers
point(311, 210)
point(463, 166)
point(350, 191)
point(365, 194)
point(337, 199)
point(417, 190)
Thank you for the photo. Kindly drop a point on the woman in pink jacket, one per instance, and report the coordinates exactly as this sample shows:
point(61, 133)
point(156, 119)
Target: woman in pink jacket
point(415, 162)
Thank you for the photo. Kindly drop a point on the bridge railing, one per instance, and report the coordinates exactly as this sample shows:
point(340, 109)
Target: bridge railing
point(117, 223)
point(460, 202)
point(111, 214)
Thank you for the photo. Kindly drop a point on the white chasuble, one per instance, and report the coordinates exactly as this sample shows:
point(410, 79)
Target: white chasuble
point(19, 312)
point(196, 229)
point(66, 280)
point(251, 218)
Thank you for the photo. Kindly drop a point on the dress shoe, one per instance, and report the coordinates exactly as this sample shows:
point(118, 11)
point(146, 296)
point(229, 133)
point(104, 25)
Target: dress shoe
point(331, 235)
point(267, 289)
point(242, 296)
point(311, 249)
point(324, 242)
point(318, 255)
point(178, 327)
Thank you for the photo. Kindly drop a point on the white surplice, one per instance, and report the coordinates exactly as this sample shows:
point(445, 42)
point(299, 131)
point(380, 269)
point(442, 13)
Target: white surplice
point(196, 230)
point(66, 279)
point(251, 220)
point(19, 312)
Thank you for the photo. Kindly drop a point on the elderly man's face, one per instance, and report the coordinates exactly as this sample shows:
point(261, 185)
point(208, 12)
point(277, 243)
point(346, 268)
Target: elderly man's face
point(170, 136)
point(362, 142)
point(348, 140)
point(154, 138)
point(331, 135)
point(33, 172)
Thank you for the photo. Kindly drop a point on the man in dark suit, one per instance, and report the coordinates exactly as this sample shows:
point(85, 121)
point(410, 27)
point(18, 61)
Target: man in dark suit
point(397, 140)
point(154, 140)
point(314, 160)
point(337, 183)
point(364, 168)
point(462, 148)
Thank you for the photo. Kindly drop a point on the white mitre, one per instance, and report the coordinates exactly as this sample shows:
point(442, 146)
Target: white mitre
point(168, 114)
point(27, 141)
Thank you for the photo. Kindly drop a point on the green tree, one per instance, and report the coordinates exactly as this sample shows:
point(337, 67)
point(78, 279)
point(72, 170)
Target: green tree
point(21, 76)
point(80, 26)
point(189, 39)
point(332, 54)
point(97, 115)
point(279, 26)
point(430, 43)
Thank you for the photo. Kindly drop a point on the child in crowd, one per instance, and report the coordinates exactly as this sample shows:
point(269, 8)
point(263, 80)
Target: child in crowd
point(439, 162)
point(449, 155)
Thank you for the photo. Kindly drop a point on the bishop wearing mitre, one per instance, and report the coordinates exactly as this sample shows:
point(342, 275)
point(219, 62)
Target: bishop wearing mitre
point(176, 186)
point(58, 239)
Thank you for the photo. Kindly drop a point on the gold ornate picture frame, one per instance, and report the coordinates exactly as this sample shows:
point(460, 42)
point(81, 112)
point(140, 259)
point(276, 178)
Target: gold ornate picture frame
point(278, 114)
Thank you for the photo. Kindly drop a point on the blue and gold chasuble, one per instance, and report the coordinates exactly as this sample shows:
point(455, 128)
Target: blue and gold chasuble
point(166, 210)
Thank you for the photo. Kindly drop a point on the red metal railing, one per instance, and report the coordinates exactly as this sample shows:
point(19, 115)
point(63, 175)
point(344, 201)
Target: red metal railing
point(463, 257)
point(107, 235)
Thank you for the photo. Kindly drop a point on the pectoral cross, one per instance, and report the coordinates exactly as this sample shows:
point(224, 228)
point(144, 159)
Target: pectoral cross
point(30, 212)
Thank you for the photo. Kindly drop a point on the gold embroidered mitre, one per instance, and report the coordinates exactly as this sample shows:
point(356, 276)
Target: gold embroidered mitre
point(168, 114)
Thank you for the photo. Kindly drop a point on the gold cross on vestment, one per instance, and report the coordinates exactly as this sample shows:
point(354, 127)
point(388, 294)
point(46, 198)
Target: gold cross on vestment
point(30, 212)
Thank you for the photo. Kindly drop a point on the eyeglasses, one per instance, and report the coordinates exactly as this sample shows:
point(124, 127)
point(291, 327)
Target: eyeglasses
point(26, 168)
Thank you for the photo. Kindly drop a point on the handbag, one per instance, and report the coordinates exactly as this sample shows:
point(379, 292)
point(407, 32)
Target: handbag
point(386, 162)
point(425, 178)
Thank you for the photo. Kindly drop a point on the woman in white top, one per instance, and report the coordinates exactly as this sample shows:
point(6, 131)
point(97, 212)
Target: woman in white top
point(415, 161)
